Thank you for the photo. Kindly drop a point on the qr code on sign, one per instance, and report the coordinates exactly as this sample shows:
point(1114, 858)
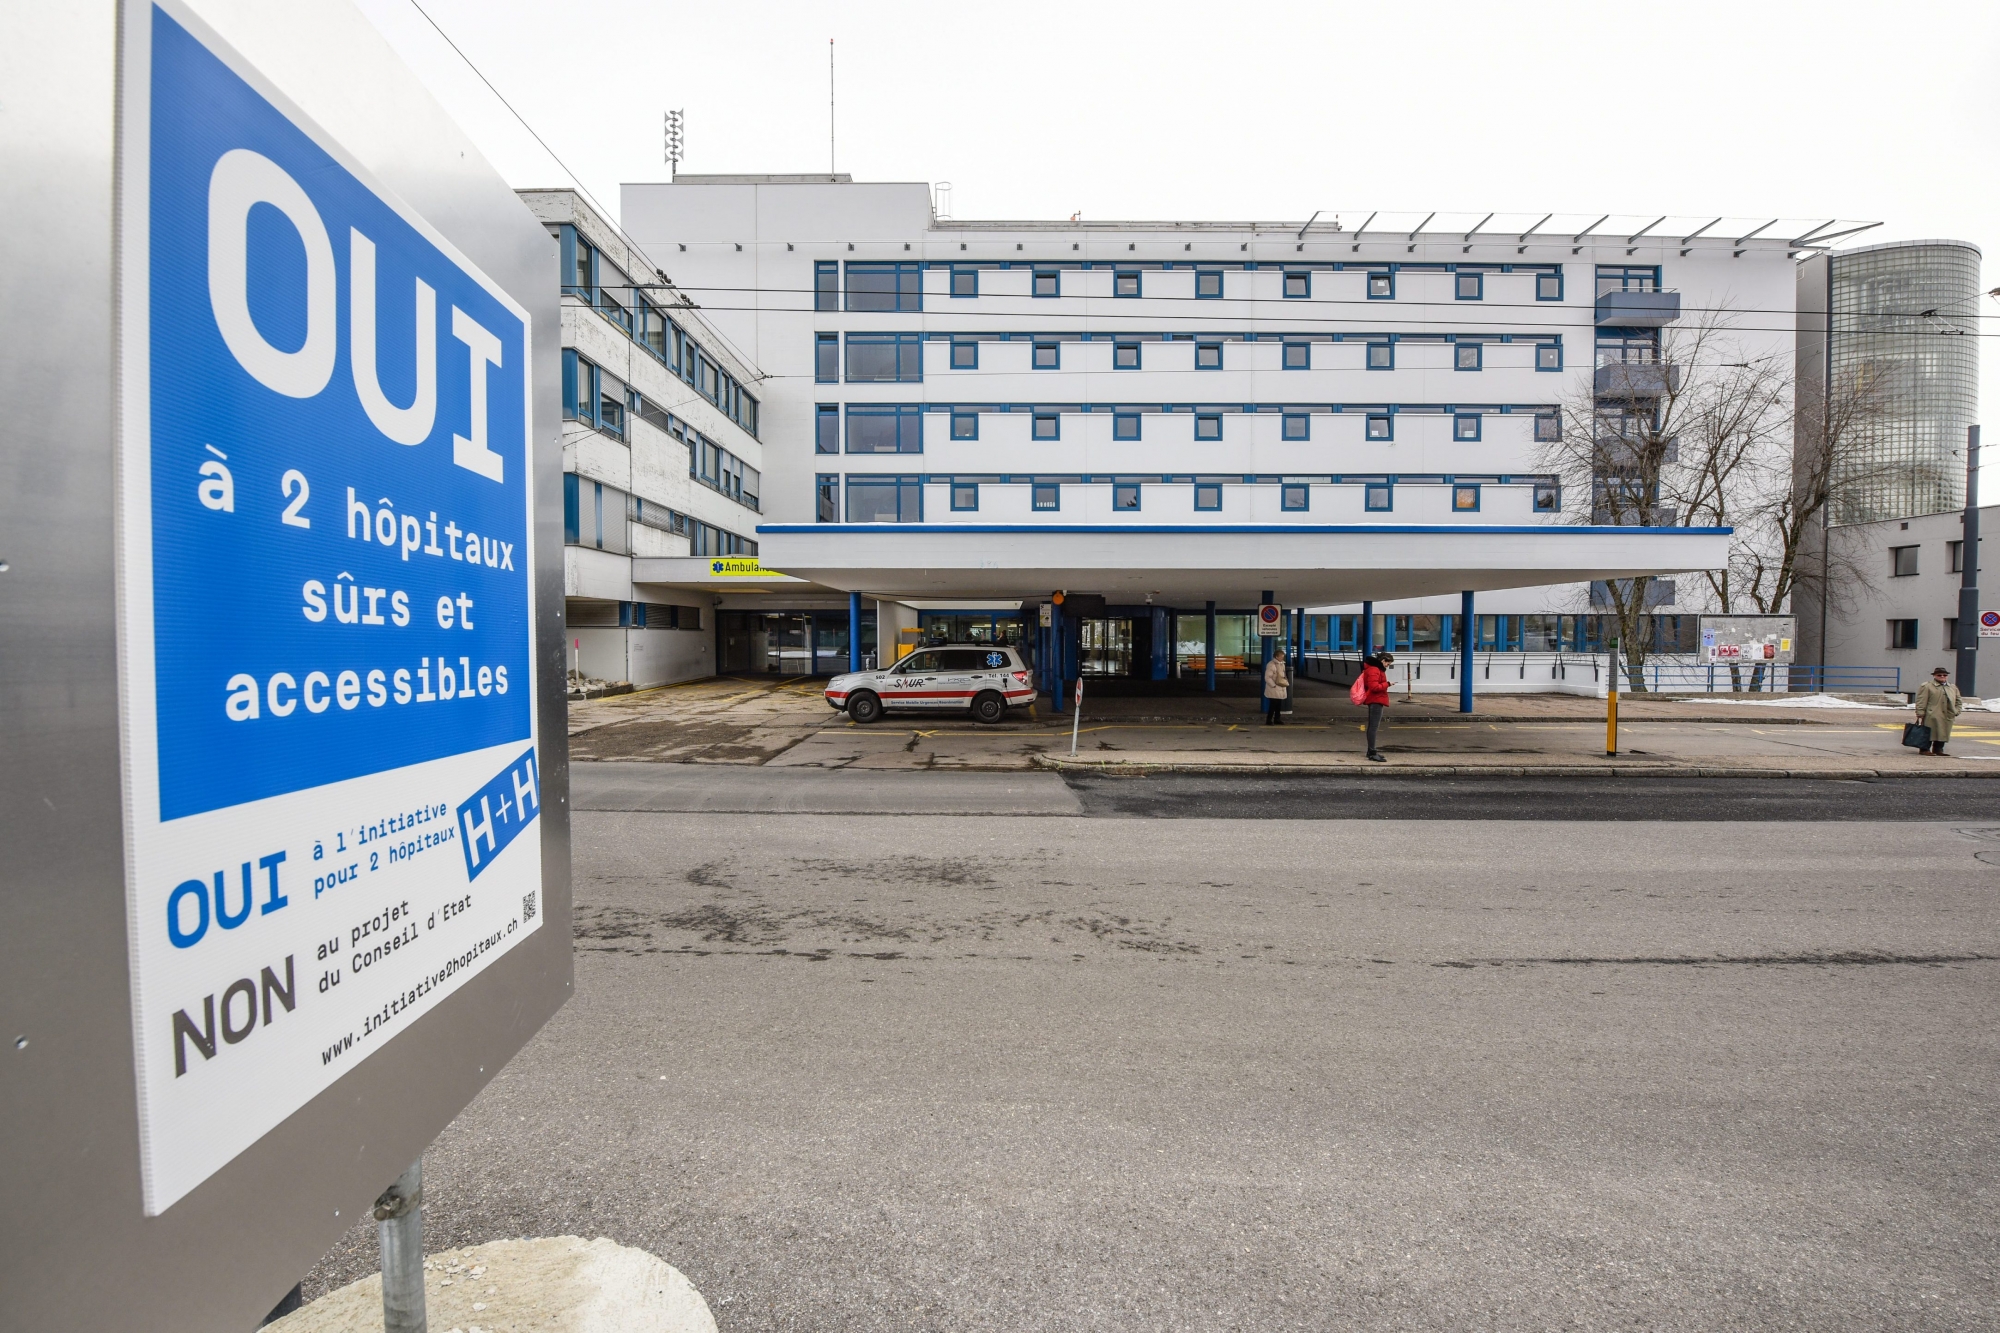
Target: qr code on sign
point(528, 907)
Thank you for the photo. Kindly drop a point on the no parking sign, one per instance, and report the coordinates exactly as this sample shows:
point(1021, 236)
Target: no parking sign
point(1270, 620)
point(1989, 624)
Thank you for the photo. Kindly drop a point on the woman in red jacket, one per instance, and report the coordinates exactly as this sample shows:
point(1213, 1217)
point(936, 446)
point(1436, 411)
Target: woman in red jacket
point(1375, 693)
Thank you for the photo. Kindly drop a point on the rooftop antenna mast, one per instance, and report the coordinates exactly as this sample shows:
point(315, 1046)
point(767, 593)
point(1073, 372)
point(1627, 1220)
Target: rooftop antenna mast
point(676, 141)
point(829, 107)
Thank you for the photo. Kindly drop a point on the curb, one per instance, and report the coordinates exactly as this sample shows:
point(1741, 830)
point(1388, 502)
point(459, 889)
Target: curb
point(1141, 768)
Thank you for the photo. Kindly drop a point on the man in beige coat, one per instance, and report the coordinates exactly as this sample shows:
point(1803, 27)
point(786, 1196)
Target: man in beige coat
point(1937, 704)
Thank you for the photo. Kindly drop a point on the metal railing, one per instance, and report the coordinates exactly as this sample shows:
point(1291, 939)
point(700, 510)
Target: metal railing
point(1668, 674)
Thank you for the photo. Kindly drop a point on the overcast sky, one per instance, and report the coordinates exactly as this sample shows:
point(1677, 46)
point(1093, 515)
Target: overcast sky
point(1872, 112)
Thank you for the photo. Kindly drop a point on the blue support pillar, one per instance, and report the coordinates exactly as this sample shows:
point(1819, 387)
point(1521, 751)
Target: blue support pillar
point(1210, 658)
point(854, 631)
point(1465, 653)
point(1367, 628)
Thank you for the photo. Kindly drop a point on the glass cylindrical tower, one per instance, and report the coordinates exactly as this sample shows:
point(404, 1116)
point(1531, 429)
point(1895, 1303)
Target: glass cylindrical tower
point(1902, 322)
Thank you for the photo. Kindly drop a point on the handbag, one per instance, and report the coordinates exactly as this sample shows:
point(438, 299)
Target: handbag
point(1917, 736)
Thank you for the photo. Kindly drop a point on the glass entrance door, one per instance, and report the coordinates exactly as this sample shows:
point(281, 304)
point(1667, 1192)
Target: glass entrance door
point(1107, 647)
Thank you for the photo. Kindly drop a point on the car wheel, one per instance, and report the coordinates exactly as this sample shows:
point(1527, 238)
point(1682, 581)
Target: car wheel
point(864, 708)
point(989, 708)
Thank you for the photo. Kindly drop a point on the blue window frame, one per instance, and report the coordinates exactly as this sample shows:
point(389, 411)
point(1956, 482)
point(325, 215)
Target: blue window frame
point(964, 280)
point(826, 358)
point(1548, 428)
point(1047, 356)
point(1549, 356)
point(882, 428)
point(1298, 426)
point(1208, 356)
point(873, 286)
point(1299, 285)
point(1294, 497)
point(1627, 278)
point(964, 354)
point(1381, 356)
point(1208, 283)
point(1045, 496)
point(964, 425)
point(1465, 426)
point(1549, 286)
point(1125, 356)
point(571, 371)
point(1047, 282)
point(885, 358)
point(1298, 356)
point(1125, 284)
point(1465, 497)
point(1208, 497)
point(1048, 426)
point(1125, 496)
point(1469, 286)
point(1377, 497)
point(964, 496)
point(572, 510)
point(826, 428)
point(826, 285)
point(885, 499)
point(826, 497)
point(1548, 497)
point(1208, 426)
point(1382, 285)
point(1381, 426)
point(1467, 356)
point(1125, 426)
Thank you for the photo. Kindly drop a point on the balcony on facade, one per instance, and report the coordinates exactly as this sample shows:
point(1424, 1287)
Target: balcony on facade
point(1638, 309)
point(1636, 379)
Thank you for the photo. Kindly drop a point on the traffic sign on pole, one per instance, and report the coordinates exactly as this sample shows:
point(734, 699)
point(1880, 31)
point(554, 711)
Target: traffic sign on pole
point(1270, 620)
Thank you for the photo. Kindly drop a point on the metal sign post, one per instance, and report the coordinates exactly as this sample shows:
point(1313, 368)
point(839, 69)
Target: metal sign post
point(1968, 579)
point(1076, 719)
point(287, 873)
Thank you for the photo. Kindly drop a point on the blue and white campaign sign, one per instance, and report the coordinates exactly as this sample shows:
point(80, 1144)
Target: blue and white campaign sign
point(326, 559)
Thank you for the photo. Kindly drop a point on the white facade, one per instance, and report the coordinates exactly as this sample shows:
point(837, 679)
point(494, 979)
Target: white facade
point(661, 458)
point(1332, 415)
point(1901, 607)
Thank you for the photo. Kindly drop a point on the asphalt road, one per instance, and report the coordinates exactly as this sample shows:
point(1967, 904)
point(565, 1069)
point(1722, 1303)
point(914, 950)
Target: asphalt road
point(1042, 1070)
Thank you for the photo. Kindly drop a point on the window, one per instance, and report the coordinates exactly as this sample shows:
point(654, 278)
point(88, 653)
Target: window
point(1950, 639)
point(1048, 282)
point(583, 272)
point(874, 428)
point(1125, 356)
point(1381, 356)
point(1627, 278)
point(826, 429)
point(1125, 496)
point(1549, 286)
point(885, 499)
point(1125, 426)
point(1381, 426)
point(964, 354)
point(826, 498)
point(1208, 356)
point(1048, 426)
point(1045, 495)
point(964, 281)
point(1298, 356)
point(1465, 426)
point(884, 287)
point(1469, 286)
point(826, 286)
point(1466, 356)
point(1047, 356)
point(1298, 285)
point(1208, 283)
point(1208, 427)
point(1902, 561)
point(1125, 284)
point(1382, 286)
point(885, 357)
point(1378, 497)
point(651, 327)
point(1208, 497)
point(1298, 426)
point(964, 496)
point(1548, 428)
point(1902, 634)
point(1465, 498)
point(1294, 497)
point(964, 425)
point(1548, 498)
point(1548, 356)
point(1955, 553)
point(826, 358)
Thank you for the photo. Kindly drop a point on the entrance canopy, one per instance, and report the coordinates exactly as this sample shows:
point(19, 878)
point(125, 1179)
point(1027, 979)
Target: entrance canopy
point(1188, 565)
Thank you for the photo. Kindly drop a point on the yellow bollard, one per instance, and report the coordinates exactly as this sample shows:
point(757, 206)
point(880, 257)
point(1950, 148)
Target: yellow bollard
point(1611, 707)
